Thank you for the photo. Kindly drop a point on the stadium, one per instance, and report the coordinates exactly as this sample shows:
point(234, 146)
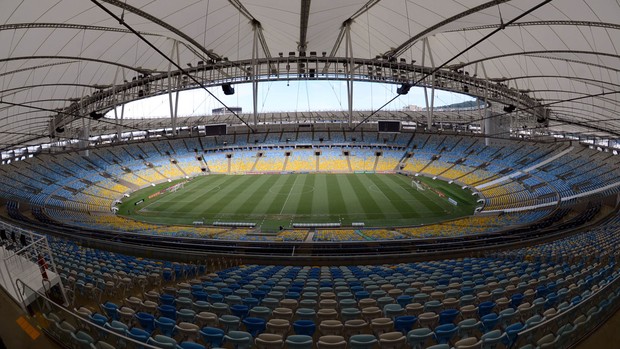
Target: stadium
point(308, 174)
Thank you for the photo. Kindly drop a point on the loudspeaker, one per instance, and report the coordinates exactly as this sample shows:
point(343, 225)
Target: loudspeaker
point(403, 89)
point(95, 115)
point(228, 89)
point(544, 118)
point(509, 108)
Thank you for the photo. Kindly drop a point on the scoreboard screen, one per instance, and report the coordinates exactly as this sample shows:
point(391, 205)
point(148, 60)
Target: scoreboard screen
point(215, 130)
point(389, 126)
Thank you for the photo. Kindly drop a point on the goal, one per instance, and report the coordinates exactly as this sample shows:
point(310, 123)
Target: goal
point(176, 187)
point(417, 185)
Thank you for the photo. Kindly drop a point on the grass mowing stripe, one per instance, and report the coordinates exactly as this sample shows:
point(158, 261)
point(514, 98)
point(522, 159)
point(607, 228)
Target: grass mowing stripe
point(193, 196)
point(289, 194)
point(355, 208)
point(245, 201)
point(276, 204)
point(398, 195)
point(229, 191)
point(185, 198)
point(335, 201)
point(266, 195)
point(319, 199)
point(369, 204)
point(306, 199)
point(200, 198)
point(389, 201)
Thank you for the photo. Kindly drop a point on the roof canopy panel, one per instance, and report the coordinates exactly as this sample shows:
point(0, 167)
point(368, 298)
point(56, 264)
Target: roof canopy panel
point(55, 51)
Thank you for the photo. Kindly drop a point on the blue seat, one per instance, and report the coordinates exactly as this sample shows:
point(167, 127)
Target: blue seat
point(404, 323)
point(512, 331)
point(239, 310)
point(254, 325)
point(138, 335)
point(250, 302)
point(146, 321)
point(448, 316)
point(445, 333)
point(304, 327)
point(98, 319)
point(212, 336)
point(111, 310)
point(489, 322)
point(165, 325)
point(552, 300)
point(215, 298)
point(361, 295)
point(168, 311)
point(167, 299)
point(200, 295)
point(291, 295)
point(191, 345)
point(516, 300)
point(485, 308)
point(404, 299)
point(258, 294)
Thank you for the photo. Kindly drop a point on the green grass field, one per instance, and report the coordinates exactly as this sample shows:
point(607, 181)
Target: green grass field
point(378, 200)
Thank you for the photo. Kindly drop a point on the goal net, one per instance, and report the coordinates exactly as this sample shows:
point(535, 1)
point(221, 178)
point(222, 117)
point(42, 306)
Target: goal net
point(417, 185)
point(176, 187)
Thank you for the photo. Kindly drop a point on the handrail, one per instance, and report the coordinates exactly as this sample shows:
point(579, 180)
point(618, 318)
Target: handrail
point(538, 331)
point(43, 303)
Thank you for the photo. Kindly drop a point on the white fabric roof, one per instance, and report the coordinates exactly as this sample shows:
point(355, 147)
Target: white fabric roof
point(53, 51)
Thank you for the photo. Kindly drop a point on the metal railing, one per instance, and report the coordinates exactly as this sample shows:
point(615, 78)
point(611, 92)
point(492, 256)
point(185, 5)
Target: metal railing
point(58, 322)
point(28, 257)
point(571, 315)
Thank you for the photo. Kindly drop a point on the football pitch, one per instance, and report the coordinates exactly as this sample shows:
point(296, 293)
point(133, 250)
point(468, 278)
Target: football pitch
point(274, 200)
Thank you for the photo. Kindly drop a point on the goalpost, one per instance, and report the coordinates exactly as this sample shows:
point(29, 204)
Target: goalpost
point(176, 187)
point(417, 185)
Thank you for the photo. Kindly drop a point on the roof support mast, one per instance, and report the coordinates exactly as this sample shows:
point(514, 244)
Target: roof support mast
point(115, 107)
point(255, 29)
point(304, 14)
point(429, 106)
point(174, 107)
point(486, 96)
point(350, 66)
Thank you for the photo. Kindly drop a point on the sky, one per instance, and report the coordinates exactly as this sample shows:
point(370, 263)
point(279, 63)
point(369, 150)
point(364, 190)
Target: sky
point(295, 95)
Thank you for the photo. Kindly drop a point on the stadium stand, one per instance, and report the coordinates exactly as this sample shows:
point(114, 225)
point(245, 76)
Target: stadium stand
point(531, 176)
point(518, 297)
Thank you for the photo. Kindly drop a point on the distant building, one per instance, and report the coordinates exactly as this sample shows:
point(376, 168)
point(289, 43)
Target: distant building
point(414, 107)
point(222, 111)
